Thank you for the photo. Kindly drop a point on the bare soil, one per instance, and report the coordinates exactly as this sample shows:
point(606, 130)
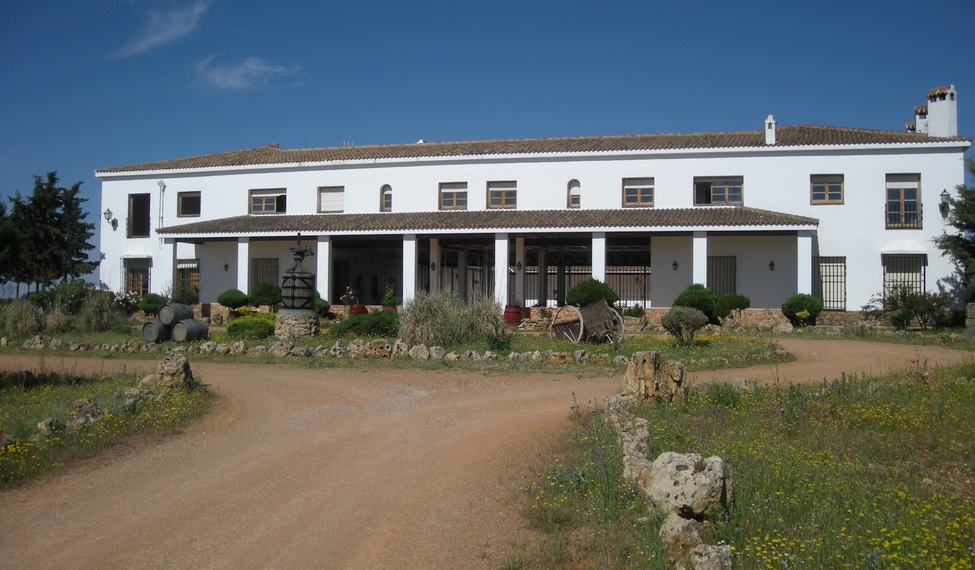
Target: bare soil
point(342, 468)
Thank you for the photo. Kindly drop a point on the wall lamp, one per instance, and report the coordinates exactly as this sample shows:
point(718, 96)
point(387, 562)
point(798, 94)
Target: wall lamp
point(674, 265)
point(433, 266)
point(771, 266)
point(226, 267)
point(107, 214)
point(518, 266)
point(944, 206)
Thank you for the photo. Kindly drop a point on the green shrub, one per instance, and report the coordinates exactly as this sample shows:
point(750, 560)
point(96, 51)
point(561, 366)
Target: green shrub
point(322, 307)
point(589, 291)
point(374, 324)
point(699, 297)
point(725, 304)
point(683, 323)
point(71, 294)
point(802, 302)
point(232, 298)
point(128, 303)
point(23, 318)
point(99, 313)
point(257, 325)
point(189, 295)
point(635, 311)
point(264, 294)
point(57, 320)
point(901, 318)
point(151, 303)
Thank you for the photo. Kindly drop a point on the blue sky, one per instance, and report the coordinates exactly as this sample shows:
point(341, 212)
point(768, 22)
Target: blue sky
point(88, 85)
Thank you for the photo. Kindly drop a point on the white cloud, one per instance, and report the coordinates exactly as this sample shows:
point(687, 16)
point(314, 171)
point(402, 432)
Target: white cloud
point(252, 72)
point(165, 27)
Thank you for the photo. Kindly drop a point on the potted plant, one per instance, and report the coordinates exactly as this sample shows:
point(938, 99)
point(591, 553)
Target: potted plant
point(350, 301)
point(390, 300)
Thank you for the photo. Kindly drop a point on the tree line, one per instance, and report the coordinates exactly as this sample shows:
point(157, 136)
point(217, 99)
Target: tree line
point(44, 237)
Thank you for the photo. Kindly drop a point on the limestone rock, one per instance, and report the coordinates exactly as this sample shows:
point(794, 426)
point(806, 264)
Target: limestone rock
point(580, 356)
point(419, 352)
point(706, 557)
point(379, 348)
point(356, 349)
point(649, 376)
point(298, 351)
point(338, 350)
point(400, 348)
point(680, 536)
point(321, 351)
point(280, 349)
point(783, 328)
point(172, 373)
point(437, 353)
point(49, 426)
point(682, 481)
point(451, 356)
point(6, 440)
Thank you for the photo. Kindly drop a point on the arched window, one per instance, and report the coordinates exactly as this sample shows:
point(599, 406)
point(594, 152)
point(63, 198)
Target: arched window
point(575, 194)
point(386, 198)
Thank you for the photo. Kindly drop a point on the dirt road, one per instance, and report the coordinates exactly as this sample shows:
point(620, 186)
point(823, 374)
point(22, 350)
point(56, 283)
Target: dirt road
point(298, 468)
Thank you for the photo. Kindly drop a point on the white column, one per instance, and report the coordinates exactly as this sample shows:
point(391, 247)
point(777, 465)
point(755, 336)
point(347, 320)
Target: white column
point(701, 258)
point(542, 277)
point(520, 271)
point(174, 272)
point(323, 281)
point(599, 256)
point(804, 262)
point(501, 269)
point(243, 263)
point(434, 265)
point(409, 267)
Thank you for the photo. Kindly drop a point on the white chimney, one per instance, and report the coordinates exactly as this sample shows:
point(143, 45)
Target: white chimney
point(770, 130)
point(942, 112)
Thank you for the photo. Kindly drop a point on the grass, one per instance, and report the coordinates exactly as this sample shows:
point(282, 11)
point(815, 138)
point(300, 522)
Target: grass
point(858, 473)
point(24, 404)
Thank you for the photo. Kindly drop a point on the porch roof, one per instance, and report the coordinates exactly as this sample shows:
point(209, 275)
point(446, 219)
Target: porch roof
point(701, 218)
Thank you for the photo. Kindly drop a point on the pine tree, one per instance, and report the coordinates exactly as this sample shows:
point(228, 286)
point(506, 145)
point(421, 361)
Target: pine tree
point(74, 234)
point(960, 246)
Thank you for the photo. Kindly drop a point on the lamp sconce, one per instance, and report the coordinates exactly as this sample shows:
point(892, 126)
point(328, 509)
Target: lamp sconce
point(226, 267)
point(771, 266)
point(674, 265)
point(518, 266)
point(162, 186)
point(107, 214)
point(944, 206)
point(433, 266)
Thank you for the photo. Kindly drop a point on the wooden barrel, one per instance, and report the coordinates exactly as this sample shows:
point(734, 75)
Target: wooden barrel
point(189, 329)
point(173, 313)
point(155, 331)
point(512, 315)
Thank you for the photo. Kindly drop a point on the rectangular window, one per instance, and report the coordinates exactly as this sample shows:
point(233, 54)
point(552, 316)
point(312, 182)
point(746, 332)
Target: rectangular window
point(264, 270)
point(331, 199)
point(638, 192)
point(137, 225)
point(453, 196)
point(719, 191)
point(188, 204)
point(829, 282)
point(271, 201)
point(136, 275)
point(722, 274)
point(826, 189)
point(903, 201)
point(502, 195)
point(904, 270)
point(187, 274)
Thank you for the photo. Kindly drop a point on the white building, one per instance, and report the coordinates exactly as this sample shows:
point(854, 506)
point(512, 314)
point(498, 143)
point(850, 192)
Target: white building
point(835, 212)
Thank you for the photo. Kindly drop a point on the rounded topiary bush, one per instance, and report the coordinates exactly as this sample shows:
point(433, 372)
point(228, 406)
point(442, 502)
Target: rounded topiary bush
point(683, 323)
point(725, 304)
point(151, 303)
point(901, 318)
point(797, 304)
point(264, 294)
point(258, 325)
point(589, 291)
point(232, 298)
point(699, 297)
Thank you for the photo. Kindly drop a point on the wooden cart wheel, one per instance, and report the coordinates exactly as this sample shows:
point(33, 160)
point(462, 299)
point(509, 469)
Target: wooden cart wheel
point(567, 328)
point(615, 336)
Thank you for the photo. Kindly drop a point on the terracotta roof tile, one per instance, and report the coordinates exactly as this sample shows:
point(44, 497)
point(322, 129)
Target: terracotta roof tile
point(795, 135)
point(408, 222)
point(943, 90)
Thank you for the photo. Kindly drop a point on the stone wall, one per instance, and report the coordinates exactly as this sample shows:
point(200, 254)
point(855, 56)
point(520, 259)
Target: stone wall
point(295, 325)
